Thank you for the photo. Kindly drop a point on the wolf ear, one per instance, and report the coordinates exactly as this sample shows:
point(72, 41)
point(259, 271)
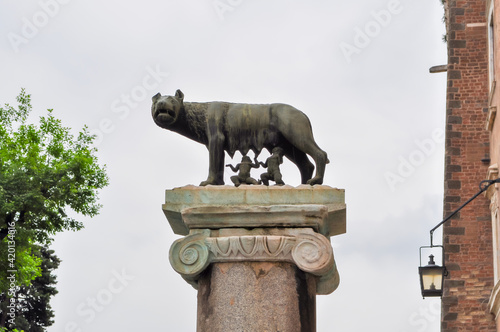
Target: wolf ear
point(156, 97)
point(179, 95)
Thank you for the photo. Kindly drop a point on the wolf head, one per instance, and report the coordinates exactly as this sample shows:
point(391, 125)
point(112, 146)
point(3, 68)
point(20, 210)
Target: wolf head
point(166, 109)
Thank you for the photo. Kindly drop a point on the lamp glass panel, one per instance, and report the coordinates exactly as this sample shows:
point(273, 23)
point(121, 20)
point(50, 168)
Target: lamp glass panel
point(432, 278)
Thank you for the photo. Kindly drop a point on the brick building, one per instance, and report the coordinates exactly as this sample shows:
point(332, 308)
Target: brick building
point(471, 299)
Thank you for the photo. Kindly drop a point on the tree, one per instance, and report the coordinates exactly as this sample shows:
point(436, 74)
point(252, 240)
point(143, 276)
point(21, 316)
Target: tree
point(33, 302)
point(45, 172)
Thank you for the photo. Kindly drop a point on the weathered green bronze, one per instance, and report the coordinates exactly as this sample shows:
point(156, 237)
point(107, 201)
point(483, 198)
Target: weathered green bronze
point(231, 127)
point(273, 167)
point(243, 170)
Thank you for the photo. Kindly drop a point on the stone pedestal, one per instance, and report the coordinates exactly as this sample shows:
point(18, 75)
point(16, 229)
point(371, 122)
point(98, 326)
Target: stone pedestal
point(257, 255)
point(256, 296)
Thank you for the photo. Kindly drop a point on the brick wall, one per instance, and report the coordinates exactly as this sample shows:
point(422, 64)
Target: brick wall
point(467, 237)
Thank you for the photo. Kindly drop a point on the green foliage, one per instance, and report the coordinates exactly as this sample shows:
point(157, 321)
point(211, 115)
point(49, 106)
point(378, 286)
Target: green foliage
point(34, 312)
point(45, 172)
point(445, 36)
point(25, 263)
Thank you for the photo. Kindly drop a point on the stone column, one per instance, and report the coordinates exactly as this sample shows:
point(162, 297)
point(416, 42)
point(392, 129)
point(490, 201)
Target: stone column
point(257, 255)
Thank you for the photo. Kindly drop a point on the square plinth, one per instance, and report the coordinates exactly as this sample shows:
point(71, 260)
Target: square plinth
point(214, 207)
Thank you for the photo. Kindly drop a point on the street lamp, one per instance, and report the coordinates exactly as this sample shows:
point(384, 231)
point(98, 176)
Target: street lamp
point(432, 275)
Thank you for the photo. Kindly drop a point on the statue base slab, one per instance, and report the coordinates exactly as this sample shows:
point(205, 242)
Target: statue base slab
point(210, 203)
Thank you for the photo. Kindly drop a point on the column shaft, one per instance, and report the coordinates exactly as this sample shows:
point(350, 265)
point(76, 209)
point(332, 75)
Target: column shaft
point(256, 296)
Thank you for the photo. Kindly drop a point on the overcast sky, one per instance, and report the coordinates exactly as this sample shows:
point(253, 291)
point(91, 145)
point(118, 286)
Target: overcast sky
point(360, 71)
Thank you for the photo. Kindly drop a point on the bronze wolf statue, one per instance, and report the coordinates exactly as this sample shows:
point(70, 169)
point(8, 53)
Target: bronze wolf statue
point(231, 127)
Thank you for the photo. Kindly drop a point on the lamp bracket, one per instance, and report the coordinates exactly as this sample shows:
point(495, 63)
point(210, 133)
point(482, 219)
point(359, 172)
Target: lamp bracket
point(483, 186)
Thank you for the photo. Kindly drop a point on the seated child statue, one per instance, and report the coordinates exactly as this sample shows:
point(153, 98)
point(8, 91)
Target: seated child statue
point(244, 168)
point(273, 167)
